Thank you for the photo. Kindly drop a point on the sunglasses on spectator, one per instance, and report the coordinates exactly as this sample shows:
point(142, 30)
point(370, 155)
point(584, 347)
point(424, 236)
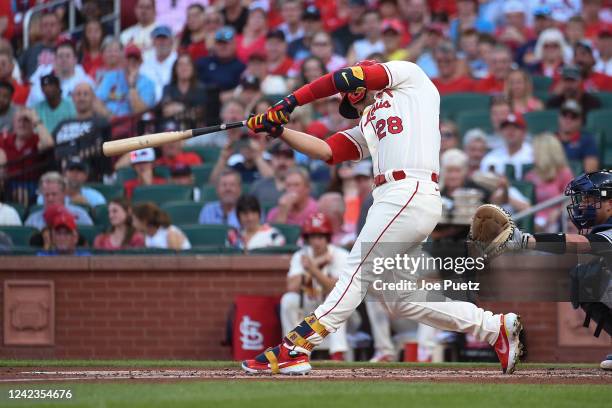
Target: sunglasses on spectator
point(321, 44)
point(570, 115)
point(551, 45)
point(447, 135)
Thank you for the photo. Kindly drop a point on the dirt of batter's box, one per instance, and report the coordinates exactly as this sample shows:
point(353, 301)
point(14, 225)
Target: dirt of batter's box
point(525, 376)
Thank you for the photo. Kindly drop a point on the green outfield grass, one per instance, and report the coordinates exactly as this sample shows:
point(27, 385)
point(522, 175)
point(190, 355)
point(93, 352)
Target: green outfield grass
point(234, 364)
point(309, 394)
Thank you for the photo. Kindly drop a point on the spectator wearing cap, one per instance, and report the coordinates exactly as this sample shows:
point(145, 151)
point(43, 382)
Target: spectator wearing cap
point(516, 151)
point(223, 211)
point(142, 162)
point(121, 234)
point(76, 173)
point(278, 60)
point(64, 237)
point(452, 76)
point(291, 12)
point(269, 84)
point(578, 144)
point(7, 108)
point(421, 49)
point(184, 98)
point(158, 62)
point(467, 17)
point(20, 147)
point(52, 187)
point(519, 91)
point(253, 37)
point(54, 108)
point(140, 33)
point(371, 43)
point(268, 190)
point(604, 43)
point(181, 174)
point(249, 160)
point(193, 38)
point(126, 91)
point(350, 31)
point(7, 66)
point(585, 60)
point(312, 23)
point(392, 32)
point(248, 91)
point(475, 146)
point(295, 205)
point(333, 206)
point(500, 67)
point(222, 69)
point(42, 52)
point(323, 48)
point(542, 20)
point(551, 52)
point(235, 15)
point(253, 234)
point(172, 154)
point(65, 68)
point(514, 32)
point(571, 87)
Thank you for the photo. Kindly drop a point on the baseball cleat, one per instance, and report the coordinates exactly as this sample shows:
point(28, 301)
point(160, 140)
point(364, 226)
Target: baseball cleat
point(508, 345)
point(380, 357)
point(607, 363)
point(278, 360)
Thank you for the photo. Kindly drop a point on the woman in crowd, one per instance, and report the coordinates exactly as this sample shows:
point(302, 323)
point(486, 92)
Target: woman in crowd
point(184, 97)
point(91, 47)
point(519, 91)
point(121, 234)
point(551, 52)
point(253, 38)
point(253, 234)
point(550, 176)
point(112, 58)
point(449, 136)
point(159, 232)
point(323, 48)
point(193, 38)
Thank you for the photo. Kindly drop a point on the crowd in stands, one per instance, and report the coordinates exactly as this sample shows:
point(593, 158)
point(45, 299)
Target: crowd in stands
point(525, 89)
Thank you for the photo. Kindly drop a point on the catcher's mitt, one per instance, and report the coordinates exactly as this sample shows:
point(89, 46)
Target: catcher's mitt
point(491, 230)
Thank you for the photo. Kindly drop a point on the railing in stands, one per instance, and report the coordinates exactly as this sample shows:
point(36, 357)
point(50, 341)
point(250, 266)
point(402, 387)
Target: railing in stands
point(551, 202)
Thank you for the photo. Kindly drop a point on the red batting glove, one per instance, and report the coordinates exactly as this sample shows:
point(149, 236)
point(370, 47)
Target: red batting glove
point(261, 124)
point(280, 112)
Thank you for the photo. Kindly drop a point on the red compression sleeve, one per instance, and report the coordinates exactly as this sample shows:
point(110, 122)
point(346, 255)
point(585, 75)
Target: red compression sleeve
point(342, 148)
point(375, 78)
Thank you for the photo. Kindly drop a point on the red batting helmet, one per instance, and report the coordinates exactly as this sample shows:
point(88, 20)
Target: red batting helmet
point(346, 107)
point(317, 223)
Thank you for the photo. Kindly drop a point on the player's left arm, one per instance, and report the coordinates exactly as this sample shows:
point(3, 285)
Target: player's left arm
point(568, 243)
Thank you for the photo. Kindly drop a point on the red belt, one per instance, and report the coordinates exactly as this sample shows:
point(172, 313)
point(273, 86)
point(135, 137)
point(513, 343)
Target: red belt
point(397, 175)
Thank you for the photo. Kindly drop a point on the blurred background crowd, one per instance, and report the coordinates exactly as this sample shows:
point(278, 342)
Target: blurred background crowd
point(526, 105)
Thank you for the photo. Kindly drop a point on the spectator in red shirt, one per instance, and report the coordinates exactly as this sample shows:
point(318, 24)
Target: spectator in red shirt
point(193, 38)
point(172, 154)
point(593, 23)
point(91, 47)
point(253, 37)
point(519, 91)
point(121, 233)
point(451, 75)
point(279, 62)
point(28, 138)
point(142, 162)
point(593, 81)
point(6, 74)
point(6, 20)
point(571, 87)
point(501, 65)
point(296, 204)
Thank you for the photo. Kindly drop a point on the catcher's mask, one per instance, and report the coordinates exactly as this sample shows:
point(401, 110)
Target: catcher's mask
point(587, 192)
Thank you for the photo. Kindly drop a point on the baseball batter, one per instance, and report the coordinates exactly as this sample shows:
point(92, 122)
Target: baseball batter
point(399, 109)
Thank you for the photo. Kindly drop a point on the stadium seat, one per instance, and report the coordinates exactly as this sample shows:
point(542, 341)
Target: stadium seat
point(89, 232)
point(285, 249)
point(289, 231)
point(208, 154)
point(542, 121)
point(211, 250)
point(605, 98)
point(208, 193)
point(528, 190)
point(541, 83)
point(474, 119)
point(183, 212)
point(19, 235)
point(161, 171)
point(20, 208)
point(127, 173)
point(576, 166)
point(109, 191)
point(207, 234)
point(100, 216)
point(162, 193)
point(201, 173)
point(453, 104)
point(599, 120)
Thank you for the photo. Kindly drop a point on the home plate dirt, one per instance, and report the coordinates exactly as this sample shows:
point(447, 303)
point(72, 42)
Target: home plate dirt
point(527, 376)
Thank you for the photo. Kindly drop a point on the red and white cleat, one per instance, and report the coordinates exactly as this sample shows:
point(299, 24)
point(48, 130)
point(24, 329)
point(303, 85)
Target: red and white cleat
point(380, 357)
point(337, 356)
point(508, 346)
point(278, 360)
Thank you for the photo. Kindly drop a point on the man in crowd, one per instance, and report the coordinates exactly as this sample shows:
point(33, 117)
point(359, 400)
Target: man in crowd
point(291, 11)
point(20, 95)
point(585, 60)
point(332, 205)
point(451, 76)
point(498, 112)
point(142, 162)
point(296, 204)
point(53, 187)
point(269, 189)
point(578, 144)
point(475, 146)
point(235, 14)
point(313, 272)
point(516, 151)
point(392, 35)
point(279, 62)
point(64, 236)
point(223, 211)
point(7, 108)
point(311, 23)
point(222, 69)
point(41, 53)
point(158, 62)
point(140, 33)
point(571, 87)
point(54, 108)
point(501, 65)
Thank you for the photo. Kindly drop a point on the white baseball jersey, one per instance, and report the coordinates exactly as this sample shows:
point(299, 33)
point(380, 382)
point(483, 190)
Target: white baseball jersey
point(401, 129)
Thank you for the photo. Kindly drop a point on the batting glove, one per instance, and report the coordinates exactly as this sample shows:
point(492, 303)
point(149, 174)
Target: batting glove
point(261, 124)
point(280, 112)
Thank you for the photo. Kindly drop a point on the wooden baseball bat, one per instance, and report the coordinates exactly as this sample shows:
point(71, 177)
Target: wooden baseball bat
point(121, 146)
